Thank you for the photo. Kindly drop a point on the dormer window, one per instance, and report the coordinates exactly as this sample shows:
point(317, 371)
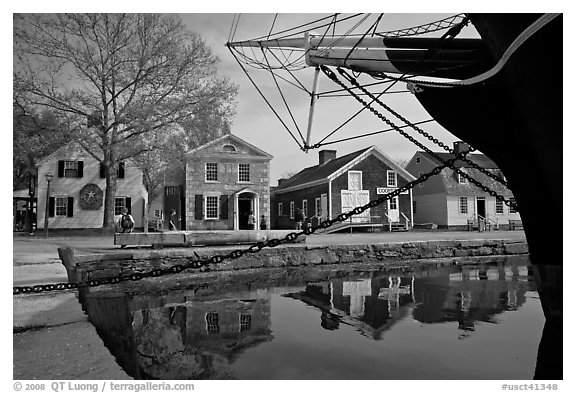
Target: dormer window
point(228, 149)
point(462, 179)
point(417, 160)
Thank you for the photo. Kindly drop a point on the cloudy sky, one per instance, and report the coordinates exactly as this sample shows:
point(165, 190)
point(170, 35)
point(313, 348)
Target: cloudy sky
point(255, 121)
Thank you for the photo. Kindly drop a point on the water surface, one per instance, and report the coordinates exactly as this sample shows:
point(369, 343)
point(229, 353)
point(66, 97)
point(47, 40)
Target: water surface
point(456, 322)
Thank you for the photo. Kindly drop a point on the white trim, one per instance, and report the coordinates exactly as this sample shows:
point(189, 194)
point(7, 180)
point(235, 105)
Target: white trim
point(280, 209)
point(360, 183)
point(206, 196)
point(317, 207)
point(388, 179)
point(305, 210)
point(292, 208)
point(206, 172)
point(233, 137)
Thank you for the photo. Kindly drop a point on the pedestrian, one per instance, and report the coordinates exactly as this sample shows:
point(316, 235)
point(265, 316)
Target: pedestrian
point(126, 221)
point(171, 220)
point(298, 217)
point(263, 222)
point(251, 220)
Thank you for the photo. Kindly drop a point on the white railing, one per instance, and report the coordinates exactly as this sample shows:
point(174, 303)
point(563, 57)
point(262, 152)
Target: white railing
point(407, 221)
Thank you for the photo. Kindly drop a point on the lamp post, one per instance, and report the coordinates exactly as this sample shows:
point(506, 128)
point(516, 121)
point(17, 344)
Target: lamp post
point(48, 177)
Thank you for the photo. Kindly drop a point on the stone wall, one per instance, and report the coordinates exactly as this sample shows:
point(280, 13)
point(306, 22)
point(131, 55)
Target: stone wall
point(89, 267)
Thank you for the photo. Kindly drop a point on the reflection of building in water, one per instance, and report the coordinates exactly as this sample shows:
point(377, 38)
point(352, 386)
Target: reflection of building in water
point(370, 305)
point(194, 339)
point(474, 294)
point(373, 305)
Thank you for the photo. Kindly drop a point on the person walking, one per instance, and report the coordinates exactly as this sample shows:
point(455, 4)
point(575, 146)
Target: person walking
point(251, 220)
point(263, 222)
point(298, 218)
point(172, 220)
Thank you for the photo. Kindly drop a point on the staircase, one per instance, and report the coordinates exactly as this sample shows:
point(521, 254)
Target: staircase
point(397, 227)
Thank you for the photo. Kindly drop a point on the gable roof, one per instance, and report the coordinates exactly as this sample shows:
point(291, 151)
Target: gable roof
point(231, 137)
point(319, 172)
point(330, 170)
point(477, 158)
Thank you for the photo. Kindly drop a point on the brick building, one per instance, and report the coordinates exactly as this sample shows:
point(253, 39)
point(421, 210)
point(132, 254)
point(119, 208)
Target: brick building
point(226, 179)
point(339, 185)
point(77, 190)
point(450, 201)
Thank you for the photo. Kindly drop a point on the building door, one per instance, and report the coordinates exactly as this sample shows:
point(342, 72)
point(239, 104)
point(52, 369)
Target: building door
point(324, 206)
point(245, 206)
point(481, 206)
point(353, 199)
point(393, 209)
point(172, 202)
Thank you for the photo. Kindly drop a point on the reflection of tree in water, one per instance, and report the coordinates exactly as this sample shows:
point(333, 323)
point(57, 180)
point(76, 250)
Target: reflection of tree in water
point(199, 340)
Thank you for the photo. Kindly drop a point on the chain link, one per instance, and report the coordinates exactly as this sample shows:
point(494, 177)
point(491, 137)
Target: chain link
point(330, 74)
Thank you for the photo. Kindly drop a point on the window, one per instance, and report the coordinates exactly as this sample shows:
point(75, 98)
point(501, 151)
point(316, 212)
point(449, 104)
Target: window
point(119, 204)
point(292, 210)
point(244, 172)
point(61, 206)
point(170, 190)
point(499, 207)
point(391, 179)
point(462, 179)
point(229, 149)
point(280, 212)
point(305, 207)
point(394, 203)
point(158, 213)
point(512, 210)
point(211, 171)
point(245, 322)
point(212, 322)
point(463, 205)
point(354, 180)
point(70, 168)
point(318, 207)
point(417, 160)
point(211, 204)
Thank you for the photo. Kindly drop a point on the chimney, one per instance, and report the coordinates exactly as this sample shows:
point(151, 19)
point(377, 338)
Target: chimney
point(460, 146)
point(280, 181)
point(326, 155)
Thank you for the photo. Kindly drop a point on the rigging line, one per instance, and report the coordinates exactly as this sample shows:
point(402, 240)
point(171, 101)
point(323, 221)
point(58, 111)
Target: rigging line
point(231, 28)
point(346, 34)
point(265, 100)
point(348, 95)
point(275, 35)
point(272, 27)
point(358, 42)
point(317, 145)
point(284, 100)
point(376, 25)
point(377, 98)
point(368, 85)
point(237, 23)
point(292, 75)
point(357, 113)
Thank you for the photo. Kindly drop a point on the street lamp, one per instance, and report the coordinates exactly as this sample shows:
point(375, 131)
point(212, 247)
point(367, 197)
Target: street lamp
point(48, 177)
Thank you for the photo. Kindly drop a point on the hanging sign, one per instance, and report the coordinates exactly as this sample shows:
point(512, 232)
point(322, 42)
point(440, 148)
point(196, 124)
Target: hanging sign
point(386, 190)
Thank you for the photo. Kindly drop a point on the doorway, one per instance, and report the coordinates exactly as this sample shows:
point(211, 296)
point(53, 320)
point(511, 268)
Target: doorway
point(481, 207)
point(245, 206)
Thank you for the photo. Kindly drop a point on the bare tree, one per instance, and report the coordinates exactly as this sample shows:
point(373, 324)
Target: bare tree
point(119, 79)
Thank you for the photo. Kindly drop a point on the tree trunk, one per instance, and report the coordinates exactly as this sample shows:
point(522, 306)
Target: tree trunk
point(109, 194)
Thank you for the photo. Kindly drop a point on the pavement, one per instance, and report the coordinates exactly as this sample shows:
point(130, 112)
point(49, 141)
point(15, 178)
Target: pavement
point(52, 334)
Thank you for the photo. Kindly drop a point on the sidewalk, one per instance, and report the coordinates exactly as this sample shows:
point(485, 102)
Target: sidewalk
point(51, 333)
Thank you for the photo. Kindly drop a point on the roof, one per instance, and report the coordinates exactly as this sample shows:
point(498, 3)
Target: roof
point(335, 167)
point(233, 138)
point(320, 172)
point(479, 159)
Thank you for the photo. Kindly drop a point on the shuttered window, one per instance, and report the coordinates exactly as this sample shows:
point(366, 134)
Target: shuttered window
point(211, 207)
point(70, 169)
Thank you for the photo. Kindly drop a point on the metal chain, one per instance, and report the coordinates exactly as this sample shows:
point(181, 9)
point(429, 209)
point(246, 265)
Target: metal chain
point(484, 188)
point(252, 249)
point(421, 131)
